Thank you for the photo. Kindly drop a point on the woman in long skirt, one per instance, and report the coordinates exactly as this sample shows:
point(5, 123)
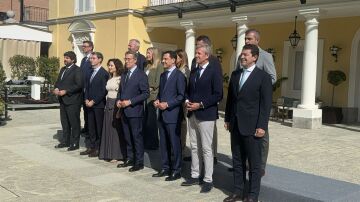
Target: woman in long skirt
point(113, 146)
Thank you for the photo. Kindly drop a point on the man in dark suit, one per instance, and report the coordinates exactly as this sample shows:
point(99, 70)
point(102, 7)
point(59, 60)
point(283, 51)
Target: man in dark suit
point(68, 88)
point(246, 117)
point(265, 62)
point(133, 91)
point(169, 101)
point(85, 65)
point(95, 99)
point(204, 40)
point(134, 46)
point(205, 90)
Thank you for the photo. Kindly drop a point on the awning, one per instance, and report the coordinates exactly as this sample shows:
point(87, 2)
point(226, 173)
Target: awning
point(23, 32)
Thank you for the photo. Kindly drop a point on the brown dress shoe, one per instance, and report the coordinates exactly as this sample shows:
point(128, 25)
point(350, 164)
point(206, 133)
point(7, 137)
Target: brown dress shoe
point(94, 153)
point(233, 198)
point(86, 152)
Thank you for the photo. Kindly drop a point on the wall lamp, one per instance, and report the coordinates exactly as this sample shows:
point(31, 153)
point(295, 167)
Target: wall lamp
point(232, 6)
point(303, 1)
point(334, 51)
point(180, 13)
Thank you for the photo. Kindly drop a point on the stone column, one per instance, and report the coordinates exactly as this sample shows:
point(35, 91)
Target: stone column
point(241, 28)
point(307, 115)
point(190, 40)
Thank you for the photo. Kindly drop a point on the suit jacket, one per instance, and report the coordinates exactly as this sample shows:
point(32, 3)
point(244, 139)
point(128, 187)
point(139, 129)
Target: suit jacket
point(172, 91)
point(266, 62)
point(154, 81)
point(72, 82)
point(141, 61)
point(208, 90)
point(86, 69)
point(96, 89)
point(136, 90)
point(249, 108)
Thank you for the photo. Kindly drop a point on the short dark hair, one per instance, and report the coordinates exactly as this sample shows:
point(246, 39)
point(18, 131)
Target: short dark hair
point(205, 39)
point(71, 55)
point(172, 54)
point(98, 55)
point(253, 48)
point(91, 44)
point(118, 65)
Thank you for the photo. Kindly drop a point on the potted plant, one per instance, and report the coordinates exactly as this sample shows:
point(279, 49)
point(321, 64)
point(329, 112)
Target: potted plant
point(2, 91)
point(333, 114)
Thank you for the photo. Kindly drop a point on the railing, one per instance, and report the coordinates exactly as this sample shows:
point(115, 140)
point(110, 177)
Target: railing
point(164, 2)
point(35, 14)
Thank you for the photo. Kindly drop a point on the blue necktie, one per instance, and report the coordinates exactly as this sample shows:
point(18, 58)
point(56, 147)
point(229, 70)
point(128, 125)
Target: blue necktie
point(243, 78)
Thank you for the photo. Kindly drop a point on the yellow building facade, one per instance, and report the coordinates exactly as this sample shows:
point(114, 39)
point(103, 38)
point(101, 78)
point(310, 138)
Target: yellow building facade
point(111, 23)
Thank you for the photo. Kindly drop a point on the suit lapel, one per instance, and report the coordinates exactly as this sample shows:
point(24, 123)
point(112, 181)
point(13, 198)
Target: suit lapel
point(67, 72)
point(237, 79)
point(249, 79)
point(170, 77)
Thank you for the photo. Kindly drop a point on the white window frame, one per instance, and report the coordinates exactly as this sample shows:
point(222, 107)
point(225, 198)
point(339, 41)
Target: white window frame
point(77, 8)
point(288, 69)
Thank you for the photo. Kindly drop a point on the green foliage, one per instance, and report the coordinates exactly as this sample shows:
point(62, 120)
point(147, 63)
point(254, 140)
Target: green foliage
point(2, 76)
point(336, 77)
point(278, 82)
point(22, 66)
point(226, 78)
point(48, 68)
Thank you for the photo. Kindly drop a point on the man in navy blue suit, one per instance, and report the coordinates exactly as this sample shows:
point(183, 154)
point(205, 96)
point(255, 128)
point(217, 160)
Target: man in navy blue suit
point(95, 99)
point(86, 68)
point(134, 46)
point(169, 101)
point(205, 90)
point(246, 117)
point(133, 91)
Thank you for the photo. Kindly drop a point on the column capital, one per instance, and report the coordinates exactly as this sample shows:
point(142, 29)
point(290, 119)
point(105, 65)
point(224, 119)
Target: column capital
point(187, 24)
point(310, 13)
point(240, 19)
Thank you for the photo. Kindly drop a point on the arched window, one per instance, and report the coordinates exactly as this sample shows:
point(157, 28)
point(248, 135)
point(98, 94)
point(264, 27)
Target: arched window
point(84, 6)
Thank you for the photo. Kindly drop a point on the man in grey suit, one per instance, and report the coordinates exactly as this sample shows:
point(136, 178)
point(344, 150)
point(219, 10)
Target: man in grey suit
point(265, 62)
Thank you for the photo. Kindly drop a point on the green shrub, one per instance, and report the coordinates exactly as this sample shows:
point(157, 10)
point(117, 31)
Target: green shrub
point(48, 68)
point(22, 66)
point(2, 76)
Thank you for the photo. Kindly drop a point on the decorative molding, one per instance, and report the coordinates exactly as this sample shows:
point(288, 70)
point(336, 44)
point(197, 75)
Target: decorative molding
point(94, 16)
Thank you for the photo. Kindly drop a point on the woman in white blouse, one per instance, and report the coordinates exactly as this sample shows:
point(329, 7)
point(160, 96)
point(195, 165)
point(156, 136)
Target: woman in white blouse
point(113, 145)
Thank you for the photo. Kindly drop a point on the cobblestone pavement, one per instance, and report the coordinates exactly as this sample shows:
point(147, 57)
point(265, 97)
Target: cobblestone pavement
point(32, 170)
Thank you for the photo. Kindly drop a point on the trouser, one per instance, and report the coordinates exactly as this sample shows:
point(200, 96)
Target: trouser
point(132, 128)
point(264, 150)
point(70, 122)
point(201, 142)
point(95, 120)
point(246, 148)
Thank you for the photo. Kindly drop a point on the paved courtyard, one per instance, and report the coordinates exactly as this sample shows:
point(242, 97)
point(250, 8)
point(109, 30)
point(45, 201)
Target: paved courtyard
point(32, 170)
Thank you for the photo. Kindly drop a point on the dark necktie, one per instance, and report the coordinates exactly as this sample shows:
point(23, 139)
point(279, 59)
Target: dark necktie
point(127, 77)
point(198, 74)
point(62, 76)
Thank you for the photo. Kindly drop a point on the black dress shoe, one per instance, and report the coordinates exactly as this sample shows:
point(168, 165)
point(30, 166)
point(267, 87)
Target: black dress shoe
point(162, 173)
point(190, 181)
point(86, 152)
point(233, 198)
point(73, 147)
point(215, 160)
point(231, 169)
point(125, 164)
point(187, 158)
point(174, 176)
point(61, 145)
point(83, 130)
point(94, 153)
point(206, 187)
point(136, 168)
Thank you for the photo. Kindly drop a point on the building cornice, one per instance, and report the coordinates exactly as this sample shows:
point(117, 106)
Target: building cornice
point(94, 16)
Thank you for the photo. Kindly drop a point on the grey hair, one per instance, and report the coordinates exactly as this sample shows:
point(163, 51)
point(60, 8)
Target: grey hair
point(256, 33)
point(206, 48)
point(137, 42)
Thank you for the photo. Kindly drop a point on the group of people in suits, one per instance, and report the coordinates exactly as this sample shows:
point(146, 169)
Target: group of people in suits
point(119, 112)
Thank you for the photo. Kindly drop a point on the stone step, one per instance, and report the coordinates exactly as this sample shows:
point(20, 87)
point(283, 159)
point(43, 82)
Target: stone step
point(279, 184)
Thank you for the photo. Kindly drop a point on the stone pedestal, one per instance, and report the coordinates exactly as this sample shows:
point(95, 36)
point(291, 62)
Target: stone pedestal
point(190, 40)
point(307, 118)
point(35, 86)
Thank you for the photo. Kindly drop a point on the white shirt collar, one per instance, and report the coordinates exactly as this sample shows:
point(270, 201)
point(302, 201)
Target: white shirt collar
point(204, 66)
point(250, 69)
